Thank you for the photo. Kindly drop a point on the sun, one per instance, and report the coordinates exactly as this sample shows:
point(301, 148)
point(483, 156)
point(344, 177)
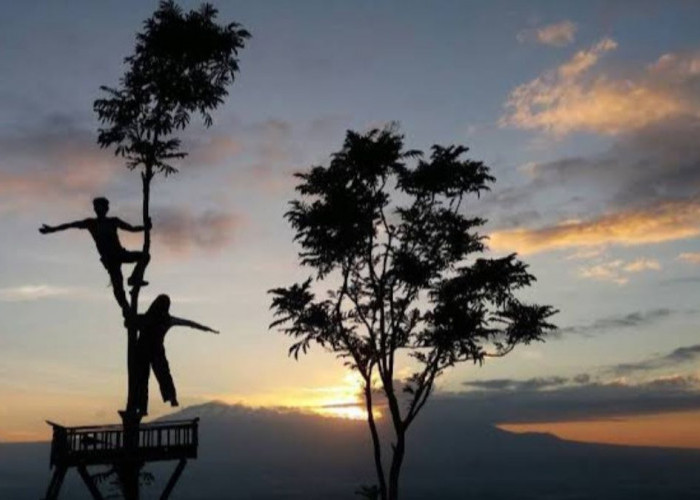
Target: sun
point(344, 401)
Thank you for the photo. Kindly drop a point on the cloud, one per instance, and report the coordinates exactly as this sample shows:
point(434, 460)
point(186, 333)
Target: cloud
point(641, 265)
point(556, 34)
point(213, 150)
point(33, 292)
point(665, 221)
point(657, 163)
point(557, 398)
point(618, 270)
point(631, 320)
point(575, 401)
point(608, 271)
point(573, 97)
point(57, 160)
point(692, 257)
point(644, 189)
point(672, 359)
point(507, 384)
point(182, 232)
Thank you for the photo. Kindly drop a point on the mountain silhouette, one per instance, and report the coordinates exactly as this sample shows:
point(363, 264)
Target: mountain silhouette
point(266, 454)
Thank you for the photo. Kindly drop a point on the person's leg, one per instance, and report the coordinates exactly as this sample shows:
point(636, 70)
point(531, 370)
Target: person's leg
point(165, 379)
point(141, 259)
point(143, 373)
point(117, 279)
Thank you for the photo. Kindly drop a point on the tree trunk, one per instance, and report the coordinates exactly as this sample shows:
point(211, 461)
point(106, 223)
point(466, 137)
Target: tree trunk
point(396, 463)
point(132, 332)
point(376, 444)
point(130, 468)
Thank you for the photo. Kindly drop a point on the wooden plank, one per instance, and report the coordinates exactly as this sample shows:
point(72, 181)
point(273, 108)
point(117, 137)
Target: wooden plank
point(87, 479)
point(56, 481)
point(173, 480)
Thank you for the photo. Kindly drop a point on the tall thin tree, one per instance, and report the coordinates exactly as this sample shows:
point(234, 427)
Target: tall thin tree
point(396, 248)
point(182, 64)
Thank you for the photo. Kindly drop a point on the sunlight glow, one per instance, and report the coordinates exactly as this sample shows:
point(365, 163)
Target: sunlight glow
point(675, 429)
point(344, 401)
point(338, 401)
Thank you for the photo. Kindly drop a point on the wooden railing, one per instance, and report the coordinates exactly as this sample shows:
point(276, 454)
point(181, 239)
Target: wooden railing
point(168, 440)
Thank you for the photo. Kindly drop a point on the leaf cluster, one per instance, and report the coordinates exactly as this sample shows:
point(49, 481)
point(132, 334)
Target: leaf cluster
point(182, 64)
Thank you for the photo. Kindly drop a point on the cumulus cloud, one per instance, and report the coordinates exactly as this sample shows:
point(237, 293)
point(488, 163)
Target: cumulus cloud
point(574, 97)
point(664, 221)
point(181, 231)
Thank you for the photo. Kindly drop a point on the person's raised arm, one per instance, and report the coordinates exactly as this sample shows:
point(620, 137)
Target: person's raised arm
point(186, 322)
point(78, 224)
point(134, 229)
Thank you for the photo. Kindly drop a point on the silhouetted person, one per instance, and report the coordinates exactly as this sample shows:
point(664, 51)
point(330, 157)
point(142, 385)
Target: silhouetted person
point(103, 230)
point(153, 325)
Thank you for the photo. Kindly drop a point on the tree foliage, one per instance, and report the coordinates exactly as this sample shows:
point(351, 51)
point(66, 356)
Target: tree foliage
point(182, 64)
point(396, 249)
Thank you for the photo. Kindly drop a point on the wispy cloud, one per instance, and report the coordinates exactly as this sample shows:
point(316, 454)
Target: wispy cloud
point(676, 357)
point(573, 400)
point(607, 271)
point(36, 292)
point(181, 231)
point(692, 257)
point(556, 34)
point(618, 271)
point(213, 150)
point(55, 161)
point(509, 384)
point(630, 320)
point(620, 389)
point(621, 371)
point(658, 223)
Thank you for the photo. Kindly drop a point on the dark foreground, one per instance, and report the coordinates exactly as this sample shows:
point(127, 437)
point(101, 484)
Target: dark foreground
point(253, 454)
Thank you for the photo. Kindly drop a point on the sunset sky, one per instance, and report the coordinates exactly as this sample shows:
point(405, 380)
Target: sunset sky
point(588, 114)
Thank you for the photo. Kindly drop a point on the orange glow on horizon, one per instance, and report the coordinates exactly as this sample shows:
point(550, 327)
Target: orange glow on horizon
point(674, 430)
point(337, 401)
point(347, 412)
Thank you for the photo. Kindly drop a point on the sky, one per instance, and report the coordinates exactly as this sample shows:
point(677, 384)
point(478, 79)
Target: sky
point(588, 114)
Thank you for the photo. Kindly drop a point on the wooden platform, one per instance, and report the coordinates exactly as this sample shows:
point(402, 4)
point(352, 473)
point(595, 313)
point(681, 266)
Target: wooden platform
point(104, 444)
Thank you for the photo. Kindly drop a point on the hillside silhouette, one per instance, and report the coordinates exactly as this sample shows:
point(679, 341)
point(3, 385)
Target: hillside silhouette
point(266, 454)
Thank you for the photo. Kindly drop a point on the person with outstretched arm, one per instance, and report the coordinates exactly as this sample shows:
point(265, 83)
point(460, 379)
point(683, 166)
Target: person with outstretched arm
point(150, 348)
point(103, 230)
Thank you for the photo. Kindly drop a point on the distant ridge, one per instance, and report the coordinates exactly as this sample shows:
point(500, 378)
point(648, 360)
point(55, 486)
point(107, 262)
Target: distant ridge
point(265, 453)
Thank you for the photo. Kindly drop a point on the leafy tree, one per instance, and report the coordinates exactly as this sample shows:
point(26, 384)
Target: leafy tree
point(396, 250)
point(182, 64)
